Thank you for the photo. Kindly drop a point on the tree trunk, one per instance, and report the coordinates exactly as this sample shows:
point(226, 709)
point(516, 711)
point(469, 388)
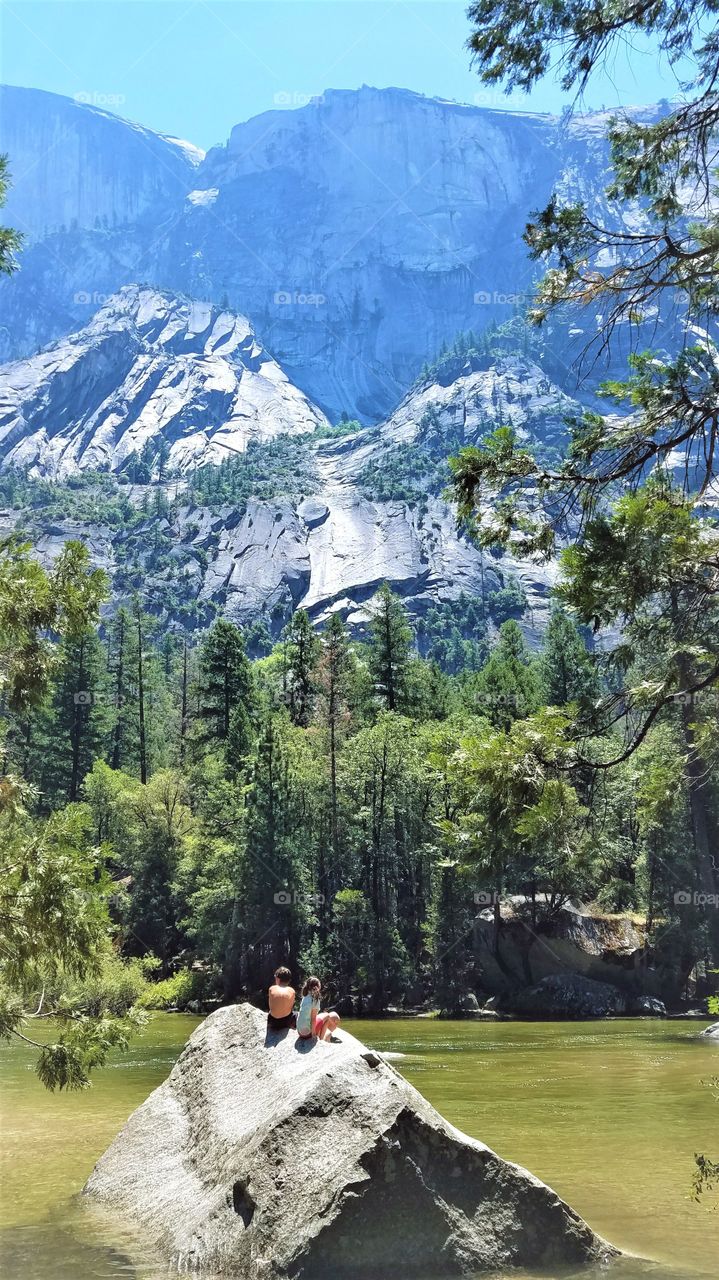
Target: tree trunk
point(76, 735)
point(117, 737)
point(141, 701)
point(183, 709)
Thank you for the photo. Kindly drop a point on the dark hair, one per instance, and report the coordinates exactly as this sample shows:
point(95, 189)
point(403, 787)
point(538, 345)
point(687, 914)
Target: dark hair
point(311, 984)
point(282, 974)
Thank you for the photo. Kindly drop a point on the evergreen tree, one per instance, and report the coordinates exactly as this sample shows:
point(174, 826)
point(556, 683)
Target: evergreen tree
point(333, 681)
point(453, 953)
point(76, 724)
point(302, 652)
point(279, 877)
point(121, 667)
point(225, 680)
point(10, 240)
point(390, 647)
point(507, 688)
point(565, 668)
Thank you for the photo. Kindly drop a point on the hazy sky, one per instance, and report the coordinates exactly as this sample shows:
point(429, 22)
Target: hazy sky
point(196, 67)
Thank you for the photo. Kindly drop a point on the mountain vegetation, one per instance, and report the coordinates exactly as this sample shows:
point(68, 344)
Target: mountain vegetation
point(647, 561)
point(198, 817)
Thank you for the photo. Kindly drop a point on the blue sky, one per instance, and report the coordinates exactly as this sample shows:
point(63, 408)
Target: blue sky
point(196, 67)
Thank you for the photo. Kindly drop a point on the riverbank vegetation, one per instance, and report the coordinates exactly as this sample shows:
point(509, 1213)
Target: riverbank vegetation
point(181, 818)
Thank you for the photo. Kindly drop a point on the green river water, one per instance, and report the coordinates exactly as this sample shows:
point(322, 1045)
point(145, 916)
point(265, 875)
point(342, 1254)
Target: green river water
point(609, 1113)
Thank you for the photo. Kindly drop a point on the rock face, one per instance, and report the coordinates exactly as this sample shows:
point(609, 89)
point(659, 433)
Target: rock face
point(148, 365)
point(265, 1156)
point(357, 233)
point(604, 949)
point(512, 391)
point(152, 366)
point(77, 166)
point(569, 995)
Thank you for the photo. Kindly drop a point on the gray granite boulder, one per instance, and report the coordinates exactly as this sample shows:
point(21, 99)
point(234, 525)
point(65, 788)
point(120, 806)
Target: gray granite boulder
point(266, 1156)
point(569, 995)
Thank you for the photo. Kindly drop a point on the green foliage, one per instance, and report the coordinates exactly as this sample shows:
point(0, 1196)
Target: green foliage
point(10, 241)
point(566, 670)
point(174, 993)
point(454, 634)
point(471, 351)
point(345, 427)
point(280, 468)
point(407, 473)
point(225, 683)
point(334, 804)
point(302, 650)
point(391, 642)
point(507, 688)
point(33, 603)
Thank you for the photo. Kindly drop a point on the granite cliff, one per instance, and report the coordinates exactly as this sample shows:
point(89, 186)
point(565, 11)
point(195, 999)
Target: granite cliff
point(356, 233)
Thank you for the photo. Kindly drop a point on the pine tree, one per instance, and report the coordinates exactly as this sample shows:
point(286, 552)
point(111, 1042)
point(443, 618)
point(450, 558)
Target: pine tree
point(565, 668)
point(121, 681)
point(141, 692)
point(452, 941)
point(225, 680)
point(302, 653)
point(77, 720)
point(507, 688)
point(390, 646)
point(333, 679)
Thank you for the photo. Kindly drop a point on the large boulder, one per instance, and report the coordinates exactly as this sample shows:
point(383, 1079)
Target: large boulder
point(647, 1007)
point(263, 1155)
point(569, 995)
point(604, 948)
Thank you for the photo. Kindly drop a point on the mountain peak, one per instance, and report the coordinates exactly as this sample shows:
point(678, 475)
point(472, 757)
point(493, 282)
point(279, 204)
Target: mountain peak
point(149, 365)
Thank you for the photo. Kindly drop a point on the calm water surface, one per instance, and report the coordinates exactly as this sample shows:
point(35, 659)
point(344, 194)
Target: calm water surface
point(610, 1114)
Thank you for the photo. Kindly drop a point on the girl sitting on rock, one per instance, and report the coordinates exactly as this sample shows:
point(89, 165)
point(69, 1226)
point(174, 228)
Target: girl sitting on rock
point(310, 1022)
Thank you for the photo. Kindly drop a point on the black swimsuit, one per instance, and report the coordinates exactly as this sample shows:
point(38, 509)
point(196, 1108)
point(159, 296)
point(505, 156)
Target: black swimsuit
point(279, 1024)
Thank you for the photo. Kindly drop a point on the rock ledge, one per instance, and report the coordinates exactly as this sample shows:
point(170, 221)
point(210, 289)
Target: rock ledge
point(265, 1156)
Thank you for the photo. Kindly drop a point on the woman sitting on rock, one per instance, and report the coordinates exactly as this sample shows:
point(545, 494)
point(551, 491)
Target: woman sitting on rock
point(310, 1022)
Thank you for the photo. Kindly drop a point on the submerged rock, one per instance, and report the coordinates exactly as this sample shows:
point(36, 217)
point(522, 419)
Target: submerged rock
point(263, 1155)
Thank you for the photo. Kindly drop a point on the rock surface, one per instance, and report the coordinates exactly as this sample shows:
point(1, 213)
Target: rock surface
point(148, 365)
point(357, 233)
point(604, 948)
point(265, 1156)
point(647, 1007)
point(151, 366)
point(569, 995)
